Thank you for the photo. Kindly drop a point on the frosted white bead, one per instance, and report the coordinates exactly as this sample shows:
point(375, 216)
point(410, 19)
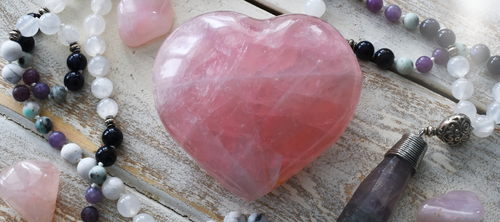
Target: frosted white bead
point(257, 217)
point(12, 73)
point(234, 216)
point(94, 24)
point(107, 107)
point(466, 108)
point(493, 112)
point(144, 218)
point(95, 45)
point(98, 66)
point(101, 7)
point(84, 167)
point(55, 6)
point(112, 188)
point(128, 205)
point(315, 7)
point(68, 34)
point(71, 152)
point(462, 89)
point(101, 87)
point(49, 23)
point(458, 66)
point(483, 126)
point(11, 51)
point(27, 25)
point(496, 92)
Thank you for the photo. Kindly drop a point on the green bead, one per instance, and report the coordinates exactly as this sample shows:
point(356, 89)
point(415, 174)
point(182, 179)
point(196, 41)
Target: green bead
point(98, 174)
point(31, 109)
point(26, 60)
point(404, 65)
point(462, 49)
point(410, 21)
point(44, 125)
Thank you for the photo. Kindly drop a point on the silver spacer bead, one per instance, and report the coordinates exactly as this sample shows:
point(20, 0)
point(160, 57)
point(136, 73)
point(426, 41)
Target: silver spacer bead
point(454, 130)
point(14, 35)
point(351, 43)
point(109, 122)
point(43, 10)
point(410, 147)
point(452, 51)
point(74, 47)
point(428, 131)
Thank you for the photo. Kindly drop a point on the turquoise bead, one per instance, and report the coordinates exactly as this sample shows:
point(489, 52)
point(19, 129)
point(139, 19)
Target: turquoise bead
point(404, 65)
point(411, 21)
point(58, 94)
point(25, 61)
point(44, 125)
point(31, 110)
point(98, 174)
point(462, 49)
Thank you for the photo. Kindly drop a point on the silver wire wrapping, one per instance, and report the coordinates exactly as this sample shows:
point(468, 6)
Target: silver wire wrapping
point(454, 130)
point(410, 147)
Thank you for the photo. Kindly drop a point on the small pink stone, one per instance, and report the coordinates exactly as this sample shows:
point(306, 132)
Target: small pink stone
point(457, 205)
point(30, 188)
point(142, 20)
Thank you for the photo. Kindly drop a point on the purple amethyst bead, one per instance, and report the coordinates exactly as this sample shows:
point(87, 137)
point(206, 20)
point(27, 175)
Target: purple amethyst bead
point(392, 13)
point(31, 76)
point(424, 64)
point(41, 90)
point(374, 5)
point(441, 56)
point(93, 195)
point(90, 214)
point(57, 139)
point(21, 93)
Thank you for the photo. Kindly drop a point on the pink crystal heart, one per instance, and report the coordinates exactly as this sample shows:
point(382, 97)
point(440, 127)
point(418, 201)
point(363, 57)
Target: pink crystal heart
point(254, 101)
point(30, 188)
point(142, 20)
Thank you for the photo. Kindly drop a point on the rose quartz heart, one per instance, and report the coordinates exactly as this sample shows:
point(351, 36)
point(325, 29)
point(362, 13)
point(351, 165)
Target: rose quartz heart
point(255, 101)
point(142, 20)
point(30, 188)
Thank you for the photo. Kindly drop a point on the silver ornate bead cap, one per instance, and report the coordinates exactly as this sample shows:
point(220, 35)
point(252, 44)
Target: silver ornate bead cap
point(410, 147)
point(454, 130)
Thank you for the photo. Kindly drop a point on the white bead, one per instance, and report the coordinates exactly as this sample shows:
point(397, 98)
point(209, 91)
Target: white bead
point(95, 45)
point(71, 152)
point(11, 51)
point(49, 23)
point(315, 8)
point(27, 25)
point(101, 87)
point(462, 89)
point(94, 24)
point(493, 112)
point(258, 217)
point(101, 7)
point(143, 218)
point(128, 205)
point(68, 34)
point(112, 188)
point(55, 6)
point(483, 126)
point(458, 66)
point(466, 108)
point(234, 216)
point(107, 107)
point(12, 73)
point(98, 66)
point(496, 92)
point(84, 167)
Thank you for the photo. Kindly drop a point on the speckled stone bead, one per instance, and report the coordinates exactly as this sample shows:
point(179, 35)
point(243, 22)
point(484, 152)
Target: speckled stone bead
point(21, 93)
point(12, 73)
point(31, 76)
point(112, 136)
point(392, 13)
point(57, 139)
point(27, 43)
point(74, 81)
point(106, 155)
point(441, 56)
point(90, 214)
point(384, 58)
point(98, 174)
point(374, 5)
point(71, 153)
point(364, 50)
point(58, 94)
point(462, 49)
point(76, 62)
point(445, 38)
point(404, 65)
point(41, 90)
point(31, 110)
point(429, 28)
point(26, 60)
point(258, 217)
point(410, 21)
point(424, 64)
point(493, 65)
point(479, 53)
point(44, 125)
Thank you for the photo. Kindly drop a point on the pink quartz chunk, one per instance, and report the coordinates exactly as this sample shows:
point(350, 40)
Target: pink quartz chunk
point(30, 188)
point(255, 101)
point(142, 20)
point(455, 206)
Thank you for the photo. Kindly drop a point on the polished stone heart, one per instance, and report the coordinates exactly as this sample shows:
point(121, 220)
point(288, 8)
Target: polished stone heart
point(30, 188)
point(454, 206)
point(142, 20)
point(254, 101)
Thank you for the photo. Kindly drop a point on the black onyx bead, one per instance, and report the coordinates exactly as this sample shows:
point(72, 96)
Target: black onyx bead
point(429, 28)
point(76, 62)
point(74, 81)
point(364, 50)
point(479, 53)
point(445, 38)
point(27, 43)
point(112, 136)
point(493, 65)
point(106, 155)
point(384, 58)
point(34, 15)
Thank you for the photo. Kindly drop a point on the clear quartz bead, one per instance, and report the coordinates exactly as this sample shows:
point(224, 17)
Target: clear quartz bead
point(483, 126)
point(95, 45)
point(55, 6)
point(107, 107)
point(112, 188)
point(466, 108)
point(94, 24)
point(27, 25)
point(493, 112)
point(101, 7)
point(128, 205)
point(68, 34)
point(49, 23)
point(101, 87)
point(98, 66)
point(496, 92)
point(315, 7)
point(458, 66)
point(143, 218)
point(462, 89)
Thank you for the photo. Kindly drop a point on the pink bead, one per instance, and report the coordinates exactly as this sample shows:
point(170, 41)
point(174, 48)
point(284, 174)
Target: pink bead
point(457, 205)
point(140, 21)
point(255, 101)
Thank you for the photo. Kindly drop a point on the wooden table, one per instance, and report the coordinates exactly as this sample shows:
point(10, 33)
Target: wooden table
point(172, 187)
